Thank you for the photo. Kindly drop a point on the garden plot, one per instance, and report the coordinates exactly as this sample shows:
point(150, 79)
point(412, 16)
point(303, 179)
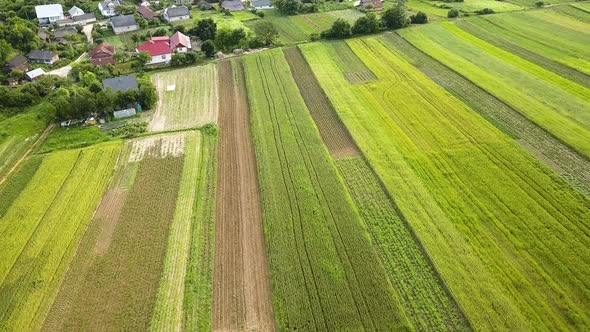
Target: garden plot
point(187, 98)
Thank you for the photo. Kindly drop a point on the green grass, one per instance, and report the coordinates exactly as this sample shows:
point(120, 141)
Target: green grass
point(544, 97)
point(19, 132)
point(489, 215)
point(41, 230)
point(17, 183)
point(324, 271)
point(198, 287)
point(575, 12)
point(235, 21)
point(471, 6)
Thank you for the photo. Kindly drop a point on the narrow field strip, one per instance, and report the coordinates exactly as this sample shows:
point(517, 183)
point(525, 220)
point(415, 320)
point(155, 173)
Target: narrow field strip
point(562, 159)
point(471, 195)
point(325, 273)
point(575, 12)
point(114, 278)
point(546, 102)
point(33, 281)
point(187, 98)
point(12, 188)
point(337, 139)
point(198, 283)
point(169, 313)
point(241, 291)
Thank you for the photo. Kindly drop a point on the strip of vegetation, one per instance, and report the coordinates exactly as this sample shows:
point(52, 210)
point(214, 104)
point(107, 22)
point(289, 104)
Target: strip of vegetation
point(17, 183)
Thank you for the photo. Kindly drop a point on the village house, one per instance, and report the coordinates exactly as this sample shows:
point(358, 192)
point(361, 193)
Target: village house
point(102, 54)
point(161, 49)
point(204, 5)
point(173, 14)
point(370, 4)
point(124, 23)
point(48, 14)
point(34, 74)
point(43, 56)
point(232, 5)
point(145, 12)
point(19, 63)
point(261, 4)
point(120, 83)
point(107, 7)
point(61, 34)
point(43, 35)
point(78, 20)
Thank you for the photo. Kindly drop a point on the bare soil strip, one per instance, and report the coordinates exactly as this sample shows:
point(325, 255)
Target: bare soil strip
point(335, 136)
point(241, 290)
point(555, 154)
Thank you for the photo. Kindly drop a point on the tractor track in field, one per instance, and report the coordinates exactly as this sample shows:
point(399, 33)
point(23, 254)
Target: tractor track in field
point(241, 290)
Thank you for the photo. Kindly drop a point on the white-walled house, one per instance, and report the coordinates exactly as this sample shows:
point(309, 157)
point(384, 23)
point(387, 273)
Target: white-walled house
point(75, 11)
point(124, 23)
point(107, 7)
point(176, 13)
point(161, 49)
point(48, 14)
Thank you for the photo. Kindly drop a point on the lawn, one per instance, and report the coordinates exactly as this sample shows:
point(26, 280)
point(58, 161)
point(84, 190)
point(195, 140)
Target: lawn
point(325, 273)
point(490, 216)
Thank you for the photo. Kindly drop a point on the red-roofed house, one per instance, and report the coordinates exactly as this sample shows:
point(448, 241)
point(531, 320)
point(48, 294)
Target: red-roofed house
point(102, 54)
point(162, 48)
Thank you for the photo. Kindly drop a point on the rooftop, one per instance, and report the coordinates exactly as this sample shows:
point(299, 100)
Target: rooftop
point(177, 11)
point(41, 55)
point(147, 13)
point(123, 20)
point(35, 73)
point(121, 83)
point(155, 46)
point(232, 5)
point(44, 11)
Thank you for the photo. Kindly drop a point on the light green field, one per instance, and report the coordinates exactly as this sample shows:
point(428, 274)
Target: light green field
point(554, 103)
point(40, 231)
point(471, 6)
point(324, 273)
point(235, 21)
point(489, 215)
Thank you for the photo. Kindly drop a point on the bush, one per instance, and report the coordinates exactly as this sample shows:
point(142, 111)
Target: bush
point(208, 47)
point(260, 14)
point(453, 13)
point(395, 18)
point(485, 11)
point(340, 29)
point(366, 25)
point(539, 4)
point(419, 18)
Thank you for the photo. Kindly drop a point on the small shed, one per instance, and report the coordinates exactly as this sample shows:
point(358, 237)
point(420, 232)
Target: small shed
point(34, 74)
point(124, 113)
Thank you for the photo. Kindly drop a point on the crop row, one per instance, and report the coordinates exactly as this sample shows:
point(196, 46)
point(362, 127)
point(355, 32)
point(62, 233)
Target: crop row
point(325, 274)
point(490, 216)
point(43, 228)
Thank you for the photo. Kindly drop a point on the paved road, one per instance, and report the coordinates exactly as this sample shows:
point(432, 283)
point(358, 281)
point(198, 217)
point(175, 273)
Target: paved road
point(64, 71)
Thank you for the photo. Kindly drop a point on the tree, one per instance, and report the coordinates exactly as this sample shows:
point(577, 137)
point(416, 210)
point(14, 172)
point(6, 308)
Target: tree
point(287, 7)
point(266, 31)
point(142, 59)
point(5, 51)
point(419, 18)
point(205, 29)
point(395, 18)
point(485, 11)
point(147, 95)
point(453, 13)
point(366, 25)
point(208, 47)
point(539, 4)
point(340, 29)
point(228, 40)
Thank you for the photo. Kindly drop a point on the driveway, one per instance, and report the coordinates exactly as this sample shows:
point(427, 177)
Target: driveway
point(65, 71)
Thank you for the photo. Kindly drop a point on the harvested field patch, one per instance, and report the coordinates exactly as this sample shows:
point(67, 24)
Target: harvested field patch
point(157, 147)
point(337, 139)
point(241, 292)
point(116, 287)
point(192, 103)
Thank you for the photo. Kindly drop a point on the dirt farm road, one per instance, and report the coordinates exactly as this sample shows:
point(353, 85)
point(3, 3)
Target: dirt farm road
point(241, 290)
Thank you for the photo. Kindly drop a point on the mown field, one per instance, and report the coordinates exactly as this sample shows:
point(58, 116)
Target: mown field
point(187, 98)
point(467, 191)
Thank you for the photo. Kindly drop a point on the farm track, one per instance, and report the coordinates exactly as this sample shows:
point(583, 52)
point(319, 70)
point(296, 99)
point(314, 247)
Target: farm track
point(241, 291)
point(116, 285)
point(400, 251)
point(332, 130)
point(555, 154)
point(556, 67)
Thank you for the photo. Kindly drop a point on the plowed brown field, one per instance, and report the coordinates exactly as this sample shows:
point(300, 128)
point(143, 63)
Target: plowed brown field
point(241, 291)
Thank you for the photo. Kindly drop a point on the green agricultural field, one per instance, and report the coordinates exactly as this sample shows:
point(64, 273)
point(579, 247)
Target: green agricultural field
point(18, 133)
point(549, 100)
point(235, 21)
point(324, 272)
point(575, 12)
point(42, 227)
point(187, 98)
point(490, 216)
